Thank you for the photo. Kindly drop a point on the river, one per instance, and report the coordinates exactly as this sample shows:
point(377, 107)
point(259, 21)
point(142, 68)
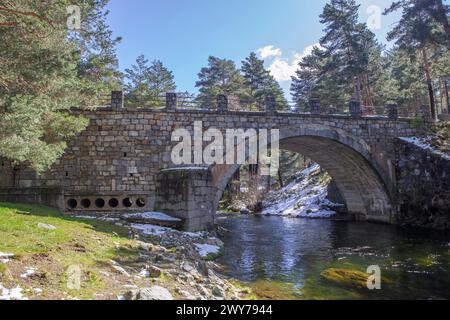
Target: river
point(282, 258)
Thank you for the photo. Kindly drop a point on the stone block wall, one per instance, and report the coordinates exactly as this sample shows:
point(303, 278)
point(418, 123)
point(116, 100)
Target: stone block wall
point(52, 197)
point(188, 194)
point(424, 187)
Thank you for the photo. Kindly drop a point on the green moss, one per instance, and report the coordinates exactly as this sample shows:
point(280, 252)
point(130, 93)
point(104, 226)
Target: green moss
point(274, 290)
point(349, 278)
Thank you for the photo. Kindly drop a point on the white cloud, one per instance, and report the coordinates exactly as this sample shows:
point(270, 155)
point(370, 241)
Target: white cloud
point(269, 51)
point(282, 68)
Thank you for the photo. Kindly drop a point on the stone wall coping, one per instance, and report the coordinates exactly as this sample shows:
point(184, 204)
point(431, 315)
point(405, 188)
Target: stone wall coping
point(241, 113)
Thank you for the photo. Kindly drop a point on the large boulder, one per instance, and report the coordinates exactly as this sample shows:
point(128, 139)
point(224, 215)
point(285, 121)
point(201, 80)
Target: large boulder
point(154, 293)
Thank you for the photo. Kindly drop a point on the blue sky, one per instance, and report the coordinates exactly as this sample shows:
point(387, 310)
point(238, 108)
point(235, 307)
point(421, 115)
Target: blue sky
point(183, 33)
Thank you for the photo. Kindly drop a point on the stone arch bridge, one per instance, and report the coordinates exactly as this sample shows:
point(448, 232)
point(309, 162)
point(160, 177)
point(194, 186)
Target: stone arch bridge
point(122, 161)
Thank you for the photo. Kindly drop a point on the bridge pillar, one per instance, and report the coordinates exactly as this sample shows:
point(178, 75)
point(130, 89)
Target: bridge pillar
point(314, 105)
point(392, 110)
point(188, 194)
point(271, 105)
point(171, 101)
point(117, 100)
point(222, 103)
point(355, 109)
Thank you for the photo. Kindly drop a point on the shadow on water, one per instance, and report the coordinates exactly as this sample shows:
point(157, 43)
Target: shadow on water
point(284, 258)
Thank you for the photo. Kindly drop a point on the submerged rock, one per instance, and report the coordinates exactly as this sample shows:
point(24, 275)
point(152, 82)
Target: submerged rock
point(349, 278)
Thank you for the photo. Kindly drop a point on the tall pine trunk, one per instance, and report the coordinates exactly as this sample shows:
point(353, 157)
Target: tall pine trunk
point(429, 83)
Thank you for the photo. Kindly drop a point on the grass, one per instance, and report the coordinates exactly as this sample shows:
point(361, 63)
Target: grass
point(88, 244)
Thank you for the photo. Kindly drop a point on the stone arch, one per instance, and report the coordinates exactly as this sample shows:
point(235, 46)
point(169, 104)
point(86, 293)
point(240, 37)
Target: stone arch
point(348, 159)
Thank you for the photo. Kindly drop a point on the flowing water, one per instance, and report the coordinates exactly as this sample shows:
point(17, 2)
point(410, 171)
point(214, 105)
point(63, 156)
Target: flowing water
point(283, 258)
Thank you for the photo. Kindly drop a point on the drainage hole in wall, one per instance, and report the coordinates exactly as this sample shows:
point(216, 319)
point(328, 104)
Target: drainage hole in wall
point(127, 202)
point(72, 203)
point(113, 203)
point(140, 202)
point(86, 203)
point(99, 203)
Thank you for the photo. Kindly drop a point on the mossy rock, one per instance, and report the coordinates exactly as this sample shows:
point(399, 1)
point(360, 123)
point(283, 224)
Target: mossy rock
point(348, 278)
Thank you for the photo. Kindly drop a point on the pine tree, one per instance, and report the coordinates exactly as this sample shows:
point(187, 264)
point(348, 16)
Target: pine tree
point(317, 78)
point(416, 32)
point(346, 41)
point(260, 82)
point(161, 79)
point(147, 83)
point(41, 79)
point(220, 77)
point(96, 47)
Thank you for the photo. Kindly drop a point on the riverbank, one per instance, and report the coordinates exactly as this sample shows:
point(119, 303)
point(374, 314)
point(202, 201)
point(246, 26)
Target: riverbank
point(47, 255)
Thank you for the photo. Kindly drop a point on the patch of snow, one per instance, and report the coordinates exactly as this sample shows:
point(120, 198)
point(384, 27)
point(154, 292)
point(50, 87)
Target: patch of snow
point(102, 218)
point(206, 249)
point(28, 272)
point(424, 143)
point(6, 255)
point(153, 230)
point(11, 294)
point(152, 215)
point(150, 229)
point(144, 273)
point(303, 198)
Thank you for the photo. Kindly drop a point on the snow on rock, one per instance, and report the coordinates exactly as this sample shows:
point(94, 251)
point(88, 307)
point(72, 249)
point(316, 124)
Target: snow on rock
point(150, 229)
point(206, 249)
point(99, 217)
point(11, 294)
point(153, 230)
point(304, 197)
point(424, 143)
point(28, 272)
point(152, 215)
point(5, 257)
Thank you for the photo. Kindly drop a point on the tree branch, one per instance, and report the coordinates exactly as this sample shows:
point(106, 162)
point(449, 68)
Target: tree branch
point(26, 13)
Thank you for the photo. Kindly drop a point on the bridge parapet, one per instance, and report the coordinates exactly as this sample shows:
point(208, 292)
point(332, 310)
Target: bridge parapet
point(271, 106)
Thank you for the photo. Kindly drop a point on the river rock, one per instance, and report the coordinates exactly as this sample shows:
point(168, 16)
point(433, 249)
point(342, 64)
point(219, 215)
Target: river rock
point(154, 272)
point(46, 226)
point(215, 242)
point(131, 294)
point(202, 290)
point(154, 293)
point(349, 278)
point(218, 292)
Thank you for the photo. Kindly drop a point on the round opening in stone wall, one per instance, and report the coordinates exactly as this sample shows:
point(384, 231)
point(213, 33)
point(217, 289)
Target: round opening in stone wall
point(86, 203)
point(127, 202)
point(140, 202)
point(99, 203)
point(72, 203)
point(113, 203)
